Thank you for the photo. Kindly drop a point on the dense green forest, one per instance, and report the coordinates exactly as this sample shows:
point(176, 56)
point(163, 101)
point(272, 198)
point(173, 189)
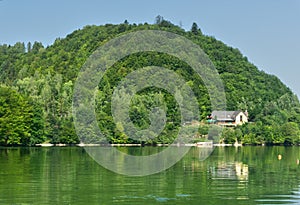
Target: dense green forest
point(36, 87)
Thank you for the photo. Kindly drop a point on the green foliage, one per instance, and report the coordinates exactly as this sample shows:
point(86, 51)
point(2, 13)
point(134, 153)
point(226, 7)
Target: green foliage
point(195, 29)
point(20, 120)
point(43, 79)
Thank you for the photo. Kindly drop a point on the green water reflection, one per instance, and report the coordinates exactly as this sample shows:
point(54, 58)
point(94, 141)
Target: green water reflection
point(67, 175)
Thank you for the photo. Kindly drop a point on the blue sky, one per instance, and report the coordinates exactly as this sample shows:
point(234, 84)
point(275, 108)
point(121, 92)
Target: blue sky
point(266, 31)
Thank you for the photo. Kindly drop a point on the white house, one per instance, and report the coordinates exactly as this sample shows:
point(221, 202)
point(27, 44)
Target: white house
point(229, 118)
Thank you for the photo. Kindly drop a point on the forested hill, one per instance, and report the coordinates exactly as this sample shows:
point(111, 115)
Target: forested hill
point(37, 85)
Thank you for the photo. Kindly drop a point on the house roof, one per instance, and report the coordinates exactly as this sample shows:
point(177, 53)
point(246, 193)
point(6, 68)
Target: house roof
point(225, 115)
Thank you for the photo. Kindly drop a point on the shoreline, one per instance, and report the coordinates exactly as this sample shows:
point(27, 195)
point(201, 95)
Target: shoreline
point(199, 144)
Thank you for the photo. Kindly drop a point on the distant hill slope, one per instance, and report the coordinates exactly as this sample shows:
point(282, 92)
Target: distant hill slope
point(47, 75)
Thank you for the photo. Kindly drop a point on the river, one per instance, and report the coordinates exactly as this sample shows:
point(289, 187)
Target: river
point(230, 175)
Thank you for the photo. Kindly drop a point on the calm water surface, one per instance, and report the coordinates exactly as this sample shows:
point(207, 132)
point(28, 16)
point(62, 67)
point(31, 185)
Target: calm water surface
point(67, 175)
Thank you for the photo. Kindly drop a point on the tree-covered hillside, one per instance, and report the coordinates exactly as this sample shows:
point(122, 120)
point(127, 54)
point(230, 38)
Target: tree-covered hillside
point(37, 85)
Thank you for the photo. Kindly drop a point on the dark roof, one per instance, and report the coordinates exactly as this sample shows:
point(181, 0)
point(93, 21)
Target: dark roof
point(225, 115)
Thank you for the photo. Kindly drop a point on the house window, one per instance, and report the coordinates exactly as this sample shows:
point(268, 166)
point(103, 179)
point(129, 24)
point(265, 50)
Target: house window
point(241, 118)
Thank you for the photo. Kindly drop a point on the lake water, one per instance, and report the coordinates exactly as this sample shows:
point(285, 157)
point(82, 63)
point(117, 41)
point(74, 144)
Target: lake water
point(67, 175)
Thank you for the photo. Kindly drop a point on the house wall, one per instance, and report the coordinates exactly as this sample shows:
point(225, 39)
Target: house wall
point(244, 118)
